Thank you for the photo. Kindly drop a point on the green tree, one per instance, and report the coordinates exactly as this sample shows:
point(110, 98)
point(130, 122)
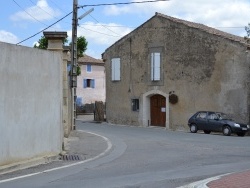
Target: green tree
point(247, 28)
point(81, 45)
point(42, 43)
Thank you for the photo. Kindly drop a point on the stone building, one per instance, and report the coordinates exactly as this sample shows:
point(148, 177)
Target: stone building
point(91, 82)
point(167, 69)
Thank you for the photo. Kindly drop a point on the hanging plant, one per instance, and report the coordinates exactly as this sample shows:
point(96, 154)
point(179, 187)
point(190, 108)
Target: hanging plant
point(78, 70)
point(173, 99)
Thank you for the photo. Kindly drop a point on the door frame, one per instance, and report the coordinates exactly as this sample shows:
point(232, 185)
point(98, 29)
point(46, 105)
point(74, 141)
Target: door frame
point(145, 112)
point(158, 117)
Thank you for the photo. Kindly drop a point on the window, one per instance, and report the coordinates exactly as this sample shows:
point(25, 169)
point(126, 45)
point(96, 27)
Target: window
point(89, 68)
point(155, 66)
point(88, 83)
point(116, 68)
point(202, 115)
point(212, 116)
point(135, 105)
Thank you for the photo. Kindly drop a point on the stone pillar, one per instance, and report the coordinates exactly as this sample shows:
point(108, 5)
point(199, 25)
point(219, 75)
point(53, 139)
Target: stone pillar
point(66, 94)
point(55, 40)
point(55, 43)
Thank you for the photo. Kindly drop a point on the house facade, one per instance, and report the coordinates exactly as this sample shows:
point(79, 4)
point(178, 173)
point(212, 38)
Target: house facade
point(91, 81)
point(167, 69)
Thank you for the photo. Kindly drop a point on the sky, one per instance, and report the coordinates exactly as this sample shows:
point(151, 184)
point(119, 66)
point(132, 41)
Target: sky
point(21, 19)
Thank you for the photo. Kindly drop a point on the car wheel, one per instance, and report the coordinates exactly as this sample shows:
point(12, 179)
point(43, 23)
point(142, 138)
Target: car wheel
point(207, 132)
point(241, 134)
point(193, 128)
point(227, 131)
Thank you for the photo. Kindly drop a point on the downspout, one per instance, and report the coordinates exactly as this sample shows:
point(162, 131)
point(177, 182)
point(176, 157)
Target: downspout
point(130, 62)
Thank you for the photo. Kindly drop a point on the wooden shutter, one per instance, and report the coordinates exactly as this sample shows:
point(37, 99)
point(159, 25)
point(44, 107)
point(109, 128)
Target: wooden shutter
point(84, 83)
point(93, 83)
point(116, 69)
point(155, 66)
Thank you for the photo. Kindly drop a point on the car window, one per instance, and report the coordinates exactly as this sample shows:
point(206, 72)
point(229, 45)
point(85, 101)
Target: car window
point(222, 115)
point(212, 116)
point(202, 115)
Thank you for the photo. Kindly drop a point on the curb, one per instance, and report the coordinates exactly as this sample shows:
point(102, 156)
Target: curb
point(27, 164)
point(109, 146)
point(203, 183)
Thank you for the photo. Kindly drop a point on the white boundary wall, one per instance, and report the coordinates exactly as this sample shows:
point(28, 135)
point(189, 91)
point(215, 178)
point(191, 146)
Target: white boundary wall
point(30, 103)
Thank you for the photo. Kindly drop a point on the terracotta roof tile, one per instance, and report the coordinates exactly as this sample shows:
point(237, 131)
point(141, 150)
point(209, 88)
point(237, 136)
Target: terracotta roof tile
point(89, 59)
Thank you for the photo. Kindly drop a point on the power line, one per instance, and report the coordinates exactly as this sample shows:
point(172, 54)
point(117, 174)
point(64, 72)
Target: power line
point(57, 6)
point(45, 28)
point(42, 9)
point(28, 13)
point(99, 32)
point(103, 25)
point(128, 3)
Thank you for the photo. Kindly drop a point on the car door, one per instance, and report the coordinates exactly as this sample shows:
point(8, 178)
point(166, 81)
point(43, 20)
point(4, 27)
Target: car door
point(201, 120)
point(213, 122)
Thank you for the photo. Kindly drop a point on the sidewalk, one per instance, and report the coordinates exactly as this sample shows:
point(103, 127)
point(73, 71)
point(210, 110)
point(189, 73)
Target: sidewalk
point(235, 180)
point(230, 180)
point(79, 147)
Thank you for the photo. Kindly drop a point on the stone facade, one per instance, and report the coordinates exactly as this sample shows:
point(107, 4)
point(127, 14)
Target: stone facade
point(205, 68)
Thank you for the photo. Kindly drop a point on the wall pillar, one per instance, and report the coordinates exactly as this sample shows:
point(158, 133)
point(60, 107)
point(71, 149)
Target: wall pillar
point(55, 43)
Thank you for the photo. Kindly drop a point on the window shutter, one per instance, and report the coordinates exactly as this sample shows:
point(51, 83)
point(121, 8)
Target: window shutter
point(84, 83)
point(155, 66)
point(89, 68)
point(113, 69)
point(93, 83)
point(116, 69)
point(152, 66)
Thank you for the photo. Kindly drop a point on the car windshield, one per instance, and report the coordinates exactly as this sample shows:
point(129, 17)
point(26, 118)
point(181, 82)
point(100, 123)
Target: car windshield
point(222, 115)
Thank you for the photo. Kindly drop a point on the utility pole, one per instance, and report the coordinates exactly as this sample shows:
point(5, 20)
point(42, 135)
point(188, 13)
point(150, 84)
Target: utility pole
point(74, 62)
point(73, 71)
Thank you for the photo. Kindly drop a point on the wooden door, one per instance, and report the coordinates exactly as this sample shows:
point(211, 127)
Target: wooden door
point(158, 110)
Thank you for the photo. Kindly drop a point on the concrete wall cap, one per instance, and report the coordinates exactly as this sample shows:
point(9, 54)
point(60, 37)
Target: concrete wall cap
point(55, 34)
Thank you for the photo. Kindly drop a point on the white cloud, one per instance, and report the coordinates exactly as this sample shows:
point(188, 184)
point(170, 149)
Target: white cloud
point(41, 11)
point(6, 36)
point(115, 10)
point(223, 13)
point(102, 34)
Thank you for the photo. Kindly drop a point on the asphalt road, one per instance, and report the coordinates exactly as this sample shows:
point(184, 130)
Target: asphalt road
point(148, 158)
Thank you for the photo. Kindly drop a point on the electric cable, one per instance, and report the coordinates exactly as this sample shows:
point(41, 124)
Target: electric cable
point(128, 3)
point(28, 13)
point(45, 28)
point(103, 25)
point(43, 9)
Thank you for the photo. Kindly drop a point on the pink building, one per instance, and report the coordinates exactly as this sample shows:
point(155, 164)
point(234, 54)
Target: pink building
point(91, 83)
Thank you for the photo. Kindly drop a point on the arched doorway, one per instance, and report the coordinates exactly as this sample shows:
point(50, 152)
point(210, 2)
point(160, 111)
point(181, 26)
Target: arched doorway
point(158, 110)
